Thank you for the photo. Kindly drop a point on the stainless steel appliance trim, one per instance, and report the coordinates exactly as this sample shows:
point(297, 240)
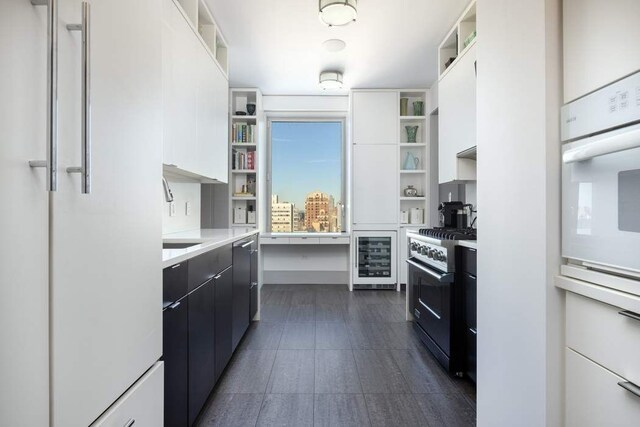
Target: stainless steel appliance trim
point(630, 387)
point(51, 163)
point(85, 168)
point(443, 278)
point(429, 308)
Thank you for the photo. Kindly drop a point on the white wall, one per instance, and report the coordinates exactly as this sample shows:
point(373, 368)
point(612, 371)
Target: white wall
point(520, 319)
point(183, 191)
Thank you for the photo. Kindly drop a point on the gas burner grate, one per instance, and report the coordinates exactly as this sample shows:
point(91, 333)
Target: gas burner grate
point(449, 233)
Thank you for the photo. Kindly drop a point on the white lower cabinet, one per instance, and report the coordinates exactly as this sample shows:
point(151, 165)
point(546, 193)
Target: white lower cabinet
point(603, 350)
point(594, 396)
point(141, 405)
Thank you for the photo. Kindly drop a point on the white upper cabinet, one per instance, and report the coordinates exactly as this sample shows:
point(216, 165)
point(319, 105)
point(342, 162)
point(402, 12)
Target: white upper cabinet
point(375, 184)
point(195, 101)
point(600, 44)
point(457, 118)
point(375, 117)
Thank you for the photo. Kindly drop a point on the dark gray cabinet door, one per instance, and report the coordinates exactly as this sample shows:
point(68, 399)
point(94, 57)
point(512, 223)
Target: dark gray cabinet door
point(175, 325)
point(241, 290)
point(254, 281)
point(223, 320)
point(174, 283)
point(202, 334)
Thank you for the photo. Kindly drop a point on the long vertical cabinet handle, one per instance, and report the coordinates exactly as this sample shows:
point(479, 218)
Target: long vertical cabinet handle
point(85, 28)
point(51, 163)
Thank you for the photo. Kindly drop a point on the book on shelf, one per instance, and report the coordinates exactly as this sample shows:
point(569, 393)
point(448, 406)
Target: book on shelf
point(242, 159)
point(242, 132)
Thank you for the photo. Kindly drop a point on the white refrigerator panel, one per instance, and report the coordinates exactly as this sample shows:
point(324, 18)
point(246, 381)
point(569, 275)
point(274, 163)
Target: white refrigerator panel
point(106, 289)
point(375, 184)
point(24, 353)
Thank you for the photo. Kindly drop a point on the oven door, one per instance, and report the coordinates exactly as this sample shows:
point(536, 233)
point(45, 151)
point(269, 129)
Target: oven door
point(601, 199)
point(432, 294)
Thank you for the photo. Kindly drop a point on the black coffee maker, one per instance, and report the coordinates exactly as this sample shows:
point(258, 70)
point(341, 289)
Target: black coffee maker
point(453, 215)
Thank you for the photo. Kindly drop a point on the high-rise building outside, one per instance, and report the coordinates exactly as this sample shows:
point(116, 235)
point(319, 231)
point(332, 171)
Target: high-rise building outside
point(320, 213)
point(283, 216)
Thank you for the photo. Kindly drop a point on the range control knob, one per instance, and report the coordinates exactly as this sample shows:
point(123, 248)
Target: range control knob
point(423, 250)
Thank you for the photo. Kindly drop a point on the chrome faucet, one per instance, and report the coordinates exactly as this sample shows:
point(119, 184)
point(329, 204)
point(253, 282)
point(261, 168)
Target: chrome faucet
point(168, 195)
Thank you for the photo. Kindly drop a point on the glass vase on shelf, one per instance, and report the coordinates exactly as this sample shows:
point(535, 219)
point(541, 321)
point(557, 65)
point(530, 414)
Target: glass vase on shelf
point(412, 133)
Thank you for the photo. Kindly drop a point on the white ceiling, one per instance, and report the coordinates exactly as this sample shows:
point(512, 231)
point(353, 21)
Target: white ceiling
point(276, 45)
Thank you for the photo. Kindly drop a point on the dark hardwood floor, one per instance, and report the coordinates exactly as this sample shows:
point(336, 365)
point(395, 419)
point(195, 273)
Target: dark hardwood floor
point(324, 356)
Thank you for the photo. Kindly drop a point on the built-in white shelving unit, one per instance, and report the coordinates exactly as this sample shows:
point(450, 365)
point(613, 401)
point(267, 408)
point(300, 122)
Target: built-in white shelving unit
point(246, 145)
point(201, 19)
point(462, 36)
point(413, 158)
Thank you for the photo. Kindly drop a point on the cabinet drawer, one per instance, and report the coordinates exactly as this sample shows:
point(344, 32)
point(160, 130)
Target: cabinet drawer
point(141, 405)
point(205, 266)
point(335, 240)
point(304, 241)
point(272, 240)
point(468, 260)
point(174, 283)
point(594, 397)
point(599, 332)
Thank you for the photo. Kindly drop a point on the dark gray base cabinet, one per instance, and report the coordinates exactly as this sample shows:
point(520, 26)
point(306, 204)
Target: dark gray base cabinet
point(223, 320)
point(202, 324)
point(175, 324)
point(253, 306)
point(466, 276)
point(202, 331)
point(241, 290)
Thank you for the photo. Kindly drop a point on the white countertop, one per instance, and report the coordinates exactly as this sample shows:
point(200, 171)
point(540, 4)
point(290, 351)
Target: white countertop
point(206, 239)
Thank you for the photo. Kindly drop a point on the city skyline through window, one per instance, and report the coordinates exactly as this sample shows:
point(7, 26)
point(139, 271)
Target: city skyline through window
point(306, 176)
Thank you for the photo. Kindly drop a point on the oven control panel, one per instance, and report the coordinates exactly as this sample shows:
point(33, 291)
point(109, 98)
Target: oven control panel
point(431, 254)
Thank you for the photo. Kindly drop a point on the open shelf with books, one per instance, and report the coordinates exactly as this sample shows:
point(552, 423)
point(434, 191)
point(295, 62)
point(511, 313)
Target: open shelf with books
point(246, 143)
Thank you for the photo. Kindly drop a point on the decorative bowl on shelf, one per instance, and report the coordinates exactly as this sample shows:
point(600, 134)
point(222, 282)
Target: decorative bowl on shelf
point(240, 113)
point(410, 191)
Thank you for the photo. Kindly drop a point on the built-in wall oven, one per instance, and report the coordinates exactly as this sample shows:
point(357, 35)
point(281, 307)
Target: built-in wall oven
point(601, 179)
point(437, 301)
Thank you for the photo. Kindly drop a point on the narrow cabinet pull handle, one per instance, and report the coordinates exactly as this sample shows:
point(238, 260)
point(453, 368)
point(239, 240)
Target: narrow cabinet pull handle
point(174, 305)
point(248, 244)
point(630, 314)
point(630, 387)
point(85, 168)
point(51, 164)
point(176, 266)
point(473, 331)
point(131, 422)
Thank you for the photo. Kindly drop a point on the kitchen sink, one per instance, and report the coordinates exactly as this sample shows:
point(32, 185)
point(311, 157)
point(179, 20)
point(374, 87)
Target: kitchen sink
point(178, 245)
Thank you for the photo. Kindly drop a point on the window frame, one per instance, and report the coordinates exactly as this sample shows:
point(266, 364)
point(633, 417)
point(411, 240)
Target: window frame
point(343, 187)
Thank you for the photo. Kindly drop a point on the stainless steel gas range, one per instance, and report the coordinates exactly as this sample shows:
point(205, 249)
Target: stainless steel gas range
point(436, 298)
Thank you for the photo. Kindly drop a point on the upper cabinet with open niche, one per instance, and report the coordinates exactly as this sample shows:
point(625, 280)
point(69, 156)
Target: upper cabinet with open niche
point(199, 16)
point(458, 41)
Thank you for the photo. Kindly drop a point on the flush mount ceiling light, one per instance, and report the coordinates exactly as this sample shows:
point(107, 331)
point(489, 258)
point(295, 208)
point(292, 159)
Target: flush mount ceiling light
point(338, 12)
point(334, 45)
point(331, 80)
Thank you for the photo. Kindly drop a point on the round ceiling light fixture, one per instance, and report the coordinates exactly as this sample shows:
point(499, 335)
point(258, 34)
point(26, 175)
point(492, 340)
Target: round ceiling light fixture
point(331, 80)
point(338, 12)
point(334, 45)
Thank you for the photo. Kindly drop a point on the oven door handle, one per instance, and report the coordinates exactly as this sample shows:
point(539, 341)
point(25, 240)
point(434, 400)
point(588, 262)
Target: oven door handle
point(442, 278)
point(626, 140)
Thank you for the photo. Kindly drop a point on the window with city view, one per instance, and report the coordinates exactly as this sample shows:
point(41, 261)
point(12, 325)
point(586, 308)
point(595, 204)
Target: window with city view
point(306, 176)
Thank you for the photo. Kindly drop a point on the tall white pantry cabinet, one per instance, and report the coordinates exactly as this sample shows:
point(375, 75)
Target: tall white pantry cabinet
point(81, 264)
